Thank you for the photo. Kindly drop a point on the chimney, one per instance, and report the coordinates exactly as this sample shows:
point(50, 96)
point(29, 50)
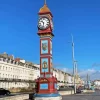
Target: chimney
point(17, 59)
point(13, 57)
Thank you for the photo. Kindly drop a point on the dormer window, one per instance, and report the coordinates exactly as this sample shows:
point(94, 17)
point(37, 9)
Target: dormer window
point(4, 59)
point(10, 61)
point(14, 62)
point(1, 59)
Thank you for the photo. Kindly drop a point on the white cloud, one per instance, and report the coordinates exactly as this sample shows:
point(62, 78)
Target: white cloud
point(93, 73)
point(66, 70)
point(87, 71)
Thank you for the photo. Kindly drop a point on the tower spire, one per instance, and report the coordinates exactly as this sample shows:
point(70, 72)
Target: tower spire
point(45, 2)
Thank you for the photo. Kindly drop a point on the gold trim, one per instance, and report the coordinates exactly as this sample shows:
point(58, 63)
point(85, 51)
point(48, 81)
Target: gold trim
point(46, 35)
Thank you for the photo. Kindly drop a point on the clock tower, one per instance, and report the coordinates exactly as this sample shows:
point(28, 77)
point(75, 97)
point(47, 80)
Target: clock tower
point(46, 83)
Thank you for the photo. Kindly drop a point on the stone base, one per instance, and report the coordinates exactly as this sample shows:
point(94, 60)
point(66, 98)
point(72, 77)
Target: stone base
point(47, 97)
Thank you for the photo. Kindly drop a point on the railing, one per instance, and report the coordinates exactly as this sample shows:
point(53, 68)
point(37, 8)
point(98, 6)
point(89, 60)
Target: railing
point(16, 97)
point(15, 80)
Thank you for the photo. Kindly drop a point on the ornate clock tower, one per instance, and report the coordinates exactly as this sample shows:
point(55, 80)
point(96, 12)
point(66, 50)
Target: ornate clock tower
point(46, 83)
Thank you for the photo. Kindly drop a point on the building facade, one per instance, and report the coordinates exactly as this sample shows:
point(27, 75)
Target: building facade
point(18, 73)
point(97, 84)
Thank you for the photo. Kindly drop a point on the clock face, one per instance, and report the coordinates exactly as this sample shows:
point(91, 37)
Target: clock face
point(43, 23)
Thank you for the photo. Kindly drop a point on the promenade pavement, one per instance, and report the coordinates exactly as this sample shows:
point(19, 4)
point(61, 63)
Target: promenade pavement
point(86, 96)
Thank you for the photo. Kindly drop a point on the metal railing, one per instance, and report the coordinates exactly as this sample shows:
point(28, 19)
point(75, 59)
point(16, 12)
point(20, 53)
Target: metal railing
point(15, 80)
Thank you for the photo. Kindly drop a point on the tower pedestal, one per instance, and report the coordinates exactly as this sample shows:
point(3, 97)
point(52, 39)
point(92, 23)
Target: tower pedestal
point(47, 97)
point(47, 89)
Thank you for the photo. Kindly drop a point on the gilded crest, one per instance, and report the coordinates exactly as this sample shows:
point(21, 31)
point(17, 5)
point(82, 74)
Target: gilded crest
point(44, 46)
point(44, 65)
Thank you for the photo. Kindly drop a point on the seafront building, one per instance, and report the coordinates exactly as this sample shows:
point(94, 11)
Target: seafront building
point(19, 73)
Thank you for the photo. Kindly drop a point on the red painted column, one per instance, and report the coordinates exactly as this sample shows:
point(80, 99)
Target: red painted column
point(46, 83)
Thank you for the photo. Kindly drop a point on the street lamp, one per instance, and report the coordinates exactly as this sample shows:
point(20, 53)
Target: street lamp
point(76, 73)
point(74, 63)
point(73, 59)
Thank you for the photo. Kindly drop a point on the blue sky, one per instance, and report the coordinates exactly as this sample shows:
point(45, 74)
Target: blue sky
point(18, 30)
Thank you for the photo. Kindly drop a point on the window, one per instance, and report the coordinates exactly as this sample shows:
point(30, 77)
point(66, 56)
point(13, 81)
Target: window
point(8, 75)
point(3, 67)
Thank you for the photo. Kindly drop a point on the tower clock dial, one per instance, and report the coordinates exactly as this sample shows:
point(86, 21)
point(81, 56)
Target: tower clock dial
point(43, 23)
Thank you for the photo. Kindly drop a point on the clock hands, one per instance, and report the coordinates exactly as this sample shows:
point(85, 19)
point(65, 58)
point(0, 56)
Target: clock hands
point(44, 23)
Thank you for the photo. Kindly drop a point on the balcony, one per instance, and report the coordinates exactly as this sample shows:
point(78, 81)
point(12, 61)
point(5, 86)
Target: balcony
point(16, 80)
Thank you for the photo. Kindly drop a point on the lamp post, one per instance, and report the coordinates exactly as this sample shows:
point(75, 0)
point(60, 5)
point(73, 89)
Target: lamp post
point(73, 59)
point(76, 67)
point(76, 73)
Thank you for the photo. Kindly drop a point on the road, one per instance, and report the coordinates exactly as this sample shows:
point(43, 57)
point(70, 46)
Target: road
point(14, 94)
point(88, 96)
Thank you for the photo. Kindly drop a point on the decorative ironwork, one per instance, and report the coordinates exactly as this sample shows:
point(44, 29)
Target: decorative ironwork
point(15, 80)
